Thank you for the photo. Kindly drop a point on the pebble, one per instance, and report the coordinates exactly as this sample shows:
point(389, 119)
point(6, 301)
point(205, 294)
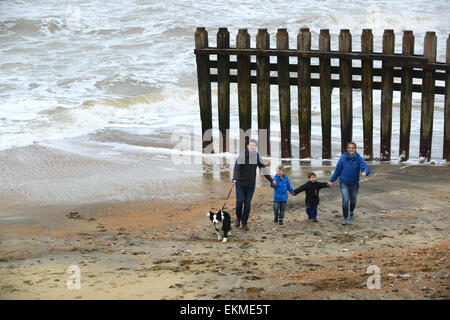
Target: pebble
point(395, 290)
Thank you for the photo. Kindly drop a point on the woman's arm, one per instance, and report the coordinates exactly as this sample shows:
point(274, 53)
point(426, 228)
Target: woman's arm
point(338, 170)
point(363, 166)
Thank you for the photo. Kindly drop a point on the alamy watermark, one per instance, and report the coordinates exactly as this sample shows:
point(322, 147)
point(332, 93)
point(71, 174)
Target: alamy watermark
point(191, 148)
point(374, 281)
point(74, 280)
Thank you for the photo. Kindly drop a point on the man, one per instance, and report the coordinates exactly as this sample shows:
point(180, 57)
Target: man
point(244, 177)
point(347, 169)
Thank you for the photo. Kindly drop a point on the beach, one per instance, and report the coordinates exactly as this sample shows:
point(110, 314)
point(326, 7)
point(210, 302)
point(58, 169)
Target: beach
point(104, 186)
point(166, 249)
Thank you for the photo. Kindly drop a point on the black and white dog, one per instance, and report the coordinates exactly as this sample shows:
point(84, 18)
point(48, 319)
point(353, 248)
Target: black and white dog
point(222, 223)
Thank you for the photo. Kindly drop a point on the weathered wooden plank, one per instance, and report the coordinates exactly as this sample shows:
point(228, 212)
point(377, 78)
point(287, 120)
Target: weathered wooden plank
point(244, 88)
point(325, 93)
point(387, 80)
point(427, 105)
point(223, 88)
point(263, 93)
point(315, 69)
point(446, 151)
point(367, 93)
point(304, 94)
point(204, 89)
point(406, 98)
point(395, 58)
point(345, 89)
point(284, 94)
point(356, 84)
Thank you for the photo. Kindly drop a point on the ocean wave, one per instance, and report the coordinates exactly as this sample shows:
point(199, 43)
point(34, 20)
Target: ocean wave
point(27, 27)
point(168, 107)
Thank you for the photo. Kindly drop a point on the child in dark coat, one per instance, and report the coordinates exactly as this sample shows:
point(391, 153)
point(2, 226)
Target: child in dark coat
point(312, 188)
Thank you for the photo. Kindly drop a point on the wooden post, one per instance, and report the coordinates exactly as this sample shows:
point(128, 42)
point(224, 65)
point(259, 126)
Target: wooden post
point(406, 98)
point(204, 85)
point(304, 94)
point(223, 87)
point(325, 93)
point(244, 87)
point(284, 94)
point(367, 93)
point(387, 78)
point(345, 89)
point(263, 92)
point(446, 151)
point(426, 121)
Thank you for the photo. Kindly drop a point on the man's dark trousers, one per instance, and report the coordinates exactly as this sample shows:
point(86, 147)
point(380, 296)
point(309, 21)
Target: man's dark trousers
point(244, 196)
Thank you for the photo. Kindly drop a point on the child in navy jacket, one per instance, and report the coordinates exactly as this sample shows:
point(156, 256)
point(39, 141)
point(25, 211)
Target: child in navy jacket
point(312, 188)
point(280, 195)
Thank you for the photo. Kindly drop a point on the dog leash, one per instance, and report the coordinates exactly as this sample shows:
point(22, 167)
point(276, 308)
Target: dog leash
point(227, 197)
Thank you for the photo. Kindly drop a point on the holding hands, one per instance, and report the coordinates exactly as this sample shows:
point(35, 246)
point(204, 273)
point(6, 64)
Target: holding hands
point(274, 183)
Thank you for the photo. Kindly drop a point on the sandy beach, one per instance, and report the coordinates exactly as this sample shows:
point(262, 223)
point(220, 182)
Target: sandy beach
point(165, 248)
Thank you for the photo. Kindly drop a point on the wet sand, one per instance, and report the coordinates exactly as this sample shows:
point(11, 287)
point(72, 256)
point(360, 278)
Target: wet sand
point(166, 249)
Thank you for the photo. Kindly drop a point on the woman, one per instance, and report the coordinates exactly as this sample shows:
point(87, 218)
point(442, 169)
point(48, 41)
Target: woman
point(347, 169)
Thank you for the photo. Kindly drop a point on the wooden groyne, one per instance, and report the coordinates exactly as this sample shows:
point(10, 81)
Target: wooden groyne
point(405, 66)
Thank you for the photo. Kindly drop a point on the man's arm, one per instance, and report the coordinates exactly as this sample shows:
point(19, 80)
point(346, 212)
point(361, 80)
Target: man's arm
point(289, 187)
point(263, 169)
point(271, 184)
point(236, 170)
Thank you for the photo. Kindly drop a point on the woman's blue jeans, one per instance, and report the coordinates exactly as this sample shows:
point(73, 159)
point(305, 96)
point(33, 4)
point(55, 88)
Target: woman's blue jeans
point(349, 193)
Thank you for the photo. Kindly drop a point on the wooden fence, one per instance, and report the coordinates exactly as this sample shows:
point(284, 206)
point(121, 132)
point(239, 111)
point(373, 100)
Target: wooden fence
point(406, 66)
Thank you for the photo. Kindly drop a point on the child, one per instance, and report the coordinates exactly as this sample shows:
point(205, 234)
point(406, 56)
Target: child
point(280, 194)
point(312, 188)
